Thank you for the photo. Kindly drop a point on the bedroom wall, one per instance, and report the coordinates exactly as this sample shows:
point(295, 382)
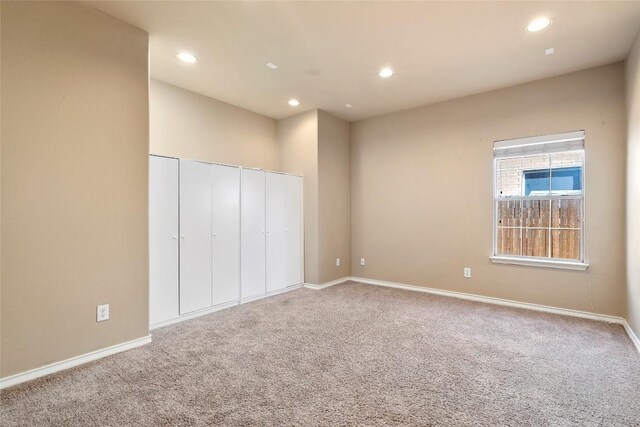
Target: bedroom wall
point(334, 194)
point(421, 191)
point(633, 187)
point(316, 144)
point(188, 125)
point(298, 154)
point(75, 142)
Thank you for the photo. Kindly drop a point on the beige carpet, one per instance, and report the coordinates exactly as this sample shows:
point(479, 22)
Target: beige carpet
point(352, 355)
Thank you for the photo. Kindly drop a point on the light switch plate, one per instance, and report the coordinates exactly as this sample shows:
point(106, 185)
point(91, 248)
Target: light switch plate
point(467, 272)
point(337, 262)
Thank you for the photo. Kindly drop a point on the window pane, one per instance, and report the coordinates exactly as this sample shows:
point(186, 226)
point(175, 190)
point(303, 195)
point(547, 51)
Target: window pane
point(509, 177)
point(531, 221)
point(509, 213)
point(565, 244)
point(566, 173)
point(566, 213)
point(535, 243)
point(535, 170)
point(535, 213)
point(508, 241)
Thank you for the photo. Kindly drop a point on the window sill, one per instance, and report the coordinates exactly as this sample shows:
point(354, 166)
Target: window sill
point(564, 265)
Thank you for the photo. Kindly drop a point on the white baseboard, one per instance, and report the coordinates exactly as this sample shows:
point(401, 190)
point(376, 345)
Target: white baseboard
point(508, 303)
point(272, 293)
point(194, 314)
point(70, 363)
point(634, 338)
point(497, 301)
point(327, 284)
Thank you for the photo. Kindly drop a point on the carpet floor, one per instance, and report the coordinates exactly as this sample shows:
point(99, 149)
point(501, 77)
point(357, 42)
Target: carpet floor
point(351, 354)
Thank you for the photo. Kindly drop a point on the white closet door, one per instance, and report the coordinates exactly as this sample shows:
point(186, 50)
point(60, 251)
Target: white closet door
point(294, 231)
point(225, 221)
point(163, 239)
point(195, 236)
point(253, 233)
point(276, 232)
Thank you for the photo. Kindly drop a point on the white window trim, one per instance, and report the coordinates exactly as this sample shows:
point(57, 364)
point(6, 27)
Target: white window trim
point(545, 262)
point(540, 140)
point(539, 262)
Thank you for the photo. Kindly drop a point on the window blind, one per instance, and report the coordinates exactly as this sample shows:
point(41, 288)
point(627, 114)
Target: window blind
point(544, 144)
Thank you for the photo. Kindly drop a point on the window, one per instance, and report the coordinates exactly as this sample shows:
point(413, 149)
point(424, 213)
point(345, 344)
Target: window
point(539, 200)
point(565, 181)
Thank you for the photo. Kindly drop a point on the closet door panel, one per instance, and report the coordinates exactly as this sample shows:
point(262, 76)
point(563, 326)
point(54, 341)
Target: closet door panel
point(225, 220)
point(294, 231)
point(163, 239)
point(276, 270)
point(252, 233)
point(195, 236)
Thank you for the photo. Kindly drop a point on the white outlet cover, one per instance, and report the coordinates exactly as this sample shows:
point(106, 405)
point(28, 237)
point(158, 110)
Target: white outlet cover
point(361, 261)
point(102, 312)
point(467, 272)
point(337, 262)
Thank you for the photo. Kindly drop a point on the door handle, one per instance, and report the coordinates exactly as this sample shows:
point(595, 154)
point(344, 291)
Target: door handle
point(174, 237)
point(182, 236)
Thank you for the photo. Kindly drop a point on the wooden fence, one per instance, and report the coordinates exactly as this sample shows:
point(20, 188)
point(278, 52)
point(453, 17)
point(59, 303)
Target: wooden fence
point(539, 228)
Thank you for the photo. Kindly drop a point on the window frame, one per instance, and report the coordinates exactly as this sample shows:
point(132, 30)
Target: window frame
point(561, 263)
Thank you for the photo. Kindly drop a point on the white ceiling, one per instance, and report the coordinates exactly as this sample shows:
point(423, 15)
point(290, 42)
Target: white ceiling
point(329, 52)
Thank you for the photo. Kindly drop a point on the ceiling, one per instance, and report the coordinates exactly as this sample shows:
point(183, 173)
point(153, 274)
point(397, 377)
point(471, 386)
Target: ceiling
point(329, 53)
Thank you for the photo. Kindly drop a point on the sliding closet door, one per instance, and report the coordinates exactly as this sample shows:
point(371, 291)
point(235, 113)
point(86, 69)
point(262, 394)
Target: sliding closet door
point(276, 234)
point(253, 233)
point(195, 236)
point(294, 231)
point(225, 220)
point(163, 239)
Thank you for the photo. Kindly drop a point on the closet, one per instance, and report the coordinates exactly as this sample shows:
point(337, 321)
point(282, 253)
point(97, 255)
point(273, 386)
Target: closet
point(276, 241)
point(195, 236)
point(225, 222)
point(163, 239)
point(294, 231)
point(220, 235)
point(253, 242)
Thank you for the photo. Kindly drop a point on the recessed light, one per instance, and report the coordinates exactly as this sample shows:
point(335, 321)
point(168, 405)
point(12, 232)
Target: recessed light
point(386, 72)
point(549, 51)
point(538, 24)
point(348, 105)
point(187, 57)
point(294, 102)
point(272, 65)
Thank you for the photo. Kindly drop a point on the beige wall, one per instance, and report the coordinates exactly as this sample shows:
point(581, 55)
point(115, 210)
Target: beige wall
point(633, 187)
point(74, 182)
point(189, 125)
point(316, 145)
point(421, 186)
point(298, 153)
point(334, 213)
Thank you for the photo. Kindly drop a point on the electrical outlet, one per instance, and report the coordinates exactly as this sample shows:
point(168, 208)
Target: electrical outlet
point(467, 272)
point(102, 312)
point(361, 261)
point(337, 262)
